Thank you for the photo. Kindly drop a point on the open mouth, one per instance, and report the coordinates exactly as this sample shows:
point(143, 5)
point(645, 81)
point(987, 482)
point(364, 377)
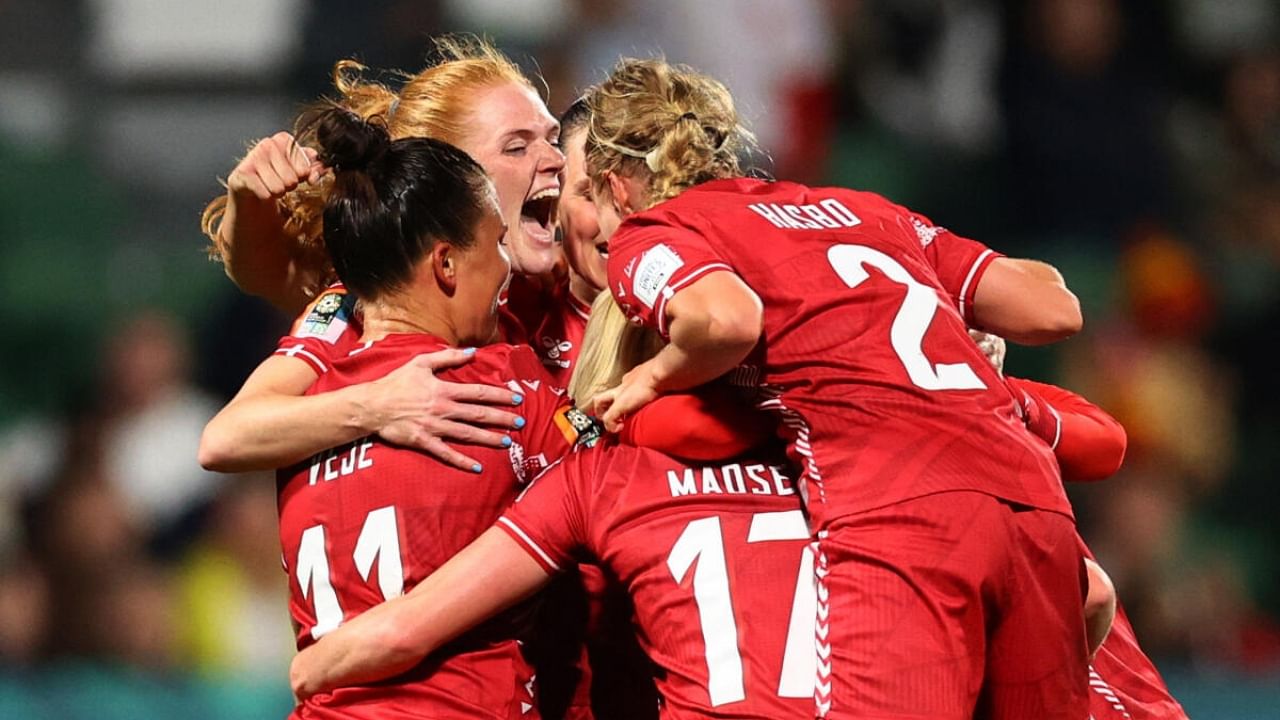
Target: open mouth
point(603, 249)
point(538, 213)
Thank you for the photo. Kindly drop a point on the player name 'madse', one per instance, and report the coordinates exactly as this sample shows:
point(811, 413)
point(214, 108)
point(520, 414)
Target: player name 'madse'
point(732, 479)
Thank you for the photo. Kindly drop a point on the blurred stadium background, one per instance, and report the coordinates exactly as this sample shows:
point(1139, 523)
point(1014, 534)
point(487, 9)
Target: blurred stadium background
point(1135, 144)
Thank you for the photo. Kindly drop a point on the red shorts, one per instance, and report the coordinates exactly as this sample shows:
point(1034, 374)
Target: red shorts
point(953, 605)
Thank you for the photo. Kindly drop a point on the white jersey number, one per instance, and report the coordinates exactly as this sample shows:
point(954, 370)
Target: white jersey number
point(911, 322)
point(702, 541)
point(379, 539)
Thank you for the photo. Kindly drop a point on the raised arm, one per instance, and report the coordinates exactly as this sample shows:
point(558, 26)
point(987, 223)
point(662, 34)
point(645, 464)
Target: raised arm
point(270, 423)
point(713, 323)
point(486, 577)
point(249, 233)
point(1027, 302)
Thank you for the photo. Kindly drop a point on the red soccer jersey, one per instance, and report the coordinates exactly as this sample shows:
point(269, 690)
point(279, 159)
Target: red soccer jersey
point(328, 329)
point(366, 521)
point(865, 351)
point(715, 559)
point(554, 322)
point(1124, 684)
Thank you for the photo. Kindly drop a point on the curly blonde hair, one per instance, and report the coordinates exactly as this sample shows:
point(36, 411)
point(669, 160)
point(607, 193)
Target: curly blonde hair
point(433, 103)
point(670, 121)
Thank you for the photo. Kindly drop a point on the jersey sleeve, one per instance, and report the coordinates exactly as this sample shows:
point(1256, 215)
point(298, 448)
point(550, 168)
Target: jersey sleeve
point(1088, 442)
point(958, 261)
point(548, 519)
point(650, 261)
point(315, 353)
point(704, 426)
point(550, 431)
point(329, 322)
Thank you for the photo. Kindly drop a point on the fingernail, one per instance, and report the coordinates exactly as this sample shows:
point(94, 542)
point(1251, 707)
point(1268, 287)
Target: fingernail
point(519, 422)
point(517, 399)
point(506, 441)
point(476, 468)
point(469, 351)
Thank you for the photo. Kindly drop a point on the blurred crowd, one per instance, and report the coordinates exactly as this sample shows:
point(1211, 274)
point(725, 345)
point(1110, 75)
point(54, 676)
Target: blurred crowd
point(1135, 144)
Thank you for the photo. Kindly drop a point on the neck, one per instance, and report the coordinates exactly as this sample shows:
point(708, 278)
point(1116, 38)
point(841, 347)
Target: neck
point(407, 311)
point(581, 289)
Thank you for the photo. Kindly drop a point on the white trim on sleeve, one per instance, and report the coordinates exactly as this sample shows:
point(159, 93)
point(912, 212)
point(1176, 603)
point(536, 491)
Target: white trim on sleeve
point(1057, 431)
point(964, 289)
point(660, 308)
point(299, 351)
point(529, 543)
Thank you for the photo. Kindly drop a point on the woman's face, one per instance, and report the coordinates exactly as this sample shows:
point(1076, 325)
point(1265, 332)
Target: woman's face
point(482, 273)
point(515, 140)
point(584, 246)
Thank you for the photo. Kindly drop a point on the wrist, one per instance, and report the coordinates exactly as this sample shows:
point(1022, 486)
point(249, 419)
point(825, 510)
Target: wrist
point(364, 412)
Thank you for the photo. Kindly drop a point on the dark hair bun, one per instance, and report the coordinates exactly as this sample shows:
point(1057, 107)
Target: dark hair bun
point(349, 142)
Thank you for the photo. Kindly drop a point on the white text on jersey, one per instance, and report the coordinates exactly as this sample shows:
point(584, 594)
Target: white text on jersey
point(733, 479)
point(826, 214)
point(333, 464)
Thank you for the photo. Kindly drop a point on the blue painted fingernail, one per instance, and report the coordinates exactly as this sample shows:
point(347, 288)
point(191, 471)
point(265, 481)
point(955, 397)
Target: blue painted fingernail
point(519, 422)
point(517, 399)
point(476, 468)
point(469, 351)
point(506, 441)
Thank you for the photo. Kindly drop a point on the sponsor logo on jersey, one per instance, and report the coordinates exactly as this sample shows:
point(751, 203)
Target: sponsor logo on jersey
point(553, 349)
point(926, 233)
point(654, 272)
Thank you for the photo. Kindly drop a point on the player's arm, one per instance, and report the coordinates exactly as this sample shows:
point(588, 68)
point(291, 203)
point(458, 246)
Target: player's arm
point(704, 425)
point(713, 324)
point(256, 252)
point(1025, 301)
point(486, 577)
point(1088, 442)
point(270, 424)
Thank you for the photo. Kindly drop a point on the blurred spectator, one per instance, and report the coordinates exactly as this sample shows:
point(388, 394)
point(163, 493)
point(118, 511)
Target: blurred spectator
point(1083, 102)
point(153, 418)
point(232, 590)
point(24, 624)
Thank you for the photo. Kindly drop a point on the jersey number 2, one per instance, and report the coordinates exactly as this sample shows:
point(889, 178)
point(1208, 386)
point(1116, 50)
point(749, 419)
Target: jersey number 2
point(379, 539)
point(702, 541)
point(912, 321)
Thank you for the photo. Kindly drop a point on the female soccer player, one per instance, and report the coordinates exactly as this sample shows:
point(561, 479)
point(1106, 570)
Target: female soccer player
point(946, 558)
point(415, 231)
point(557, 335)
point(715, 558)
point(1090, 445)
point(267, 231)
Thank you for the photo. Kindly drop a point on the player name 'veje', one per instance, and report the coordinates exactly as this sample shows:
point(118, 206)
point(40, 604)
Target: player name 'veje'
point(732, 479)
point(341, 461)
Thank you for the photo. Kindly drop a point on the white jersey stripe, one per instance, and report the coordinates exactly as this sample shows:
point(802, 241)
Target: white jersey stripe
point(529, 543)
point(964, 289)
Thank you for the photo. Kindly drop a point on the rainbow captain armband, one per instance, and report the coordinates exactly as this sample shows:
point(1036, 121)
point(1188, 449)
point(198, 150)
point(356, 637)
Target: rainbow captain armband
point(578, 427)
